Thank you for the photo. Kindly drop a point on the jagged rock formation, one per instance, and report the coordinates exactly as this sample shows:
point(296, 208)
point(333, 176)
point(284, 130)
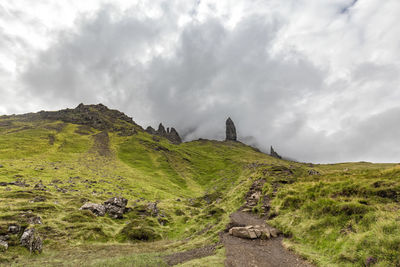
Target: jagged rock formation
point(171, 134)
point(230, 130)
point(273, 153)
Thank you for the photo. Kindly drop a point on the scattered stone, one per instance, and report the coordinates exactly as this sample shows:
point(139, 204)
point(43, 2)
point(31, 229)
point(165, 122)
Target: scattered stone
point(3, 184)
point(1, 166)
point(97, 209)
point(115, 207)
point(31, 240)
point(3, 245)
point(274, 154)
point(230, 130)
point(313, 172)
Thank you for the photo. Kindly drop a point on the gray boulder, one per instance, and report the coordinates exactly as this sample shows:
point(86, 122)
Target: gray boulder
point(230, 130)
point(97, 209)
point(31, 240)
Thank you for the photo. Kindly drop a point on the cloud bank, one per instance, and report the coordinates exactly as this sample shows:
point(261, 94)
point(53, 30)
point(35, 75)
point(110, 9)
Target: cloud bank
point(319, 80)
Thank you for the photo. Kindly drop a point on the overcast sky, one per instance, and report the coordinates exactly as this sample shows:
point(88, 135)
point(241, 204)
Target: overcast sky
point(317, 79)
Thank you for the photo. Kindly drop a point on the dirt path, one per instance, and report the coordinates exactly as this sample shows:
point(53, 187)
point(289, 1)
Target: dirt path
point(257, 253)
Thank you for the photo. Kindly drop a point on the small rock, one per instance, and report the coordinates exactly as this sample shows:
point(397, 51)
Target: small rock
point(39, 186)
point(115, 207)
point(370, 261)
point(14, 229)
point(35, 220)
point(97, 209)
point(313, 172)
point(3, 245)
point(31, 240)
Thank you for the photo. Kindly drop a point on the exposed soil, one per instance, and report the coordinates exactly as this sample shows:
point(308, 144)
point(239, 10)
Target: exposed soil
point(261, 253)
point(101, 144)
point(188, 255)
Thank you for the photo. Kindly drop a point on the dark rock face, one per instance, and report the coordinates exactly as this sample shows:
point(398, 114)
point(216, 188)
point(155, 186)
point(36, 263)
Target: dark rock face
point(115, 207)
point(31, 240)
point(230, 130)
point(273, 153)
point(171, 134)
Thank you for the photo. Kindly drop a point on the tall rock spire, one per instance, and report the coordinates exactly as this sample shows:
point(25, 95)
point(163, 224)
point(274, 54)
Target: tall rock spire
point(230, 130)
point(273, 153)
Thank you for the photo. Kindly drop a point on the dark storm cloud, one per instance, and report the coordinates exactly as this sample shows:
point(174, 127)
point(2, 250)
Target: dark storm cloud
point(194, 76)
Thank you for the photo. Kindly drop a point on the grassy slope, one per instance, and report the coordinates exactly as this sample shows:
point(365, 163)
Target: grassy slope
point(340, 217)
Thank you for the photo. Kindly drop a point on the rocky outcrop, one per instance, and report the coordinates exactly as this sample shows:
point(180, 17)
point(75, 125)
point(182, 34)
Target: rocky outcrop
point(31, 240)
point(115, 207)
point(171, 134)
point(230, 130)
point(97, 209)
point(97, 116)
point(274, 154)
point(254, 232)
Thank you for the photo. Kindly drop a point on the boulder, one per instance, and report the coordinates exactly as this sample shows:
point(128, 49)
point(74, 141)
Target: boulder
point(3, 245)
point(97, 209)
point(31, 240)
point(253, 232)
point(230, 130)
point(115, 207)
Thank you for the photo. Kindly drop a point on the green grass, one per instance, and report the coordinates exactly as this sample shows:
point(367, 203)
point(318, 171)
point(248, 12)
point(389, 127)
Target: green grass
point(339, 218)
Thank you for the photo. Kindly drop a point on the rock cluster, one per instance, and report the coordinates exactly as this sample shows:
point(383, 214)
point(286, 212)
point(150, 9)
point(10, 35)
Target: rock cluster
point(230, 130)
point(171, 134)
point(274, 154)
point(115, 207)
point(254, 232)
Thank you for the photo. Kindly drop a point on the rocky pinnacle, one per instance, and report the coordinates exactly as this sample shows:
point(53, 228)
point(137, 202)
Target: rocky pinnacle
point(230, 130)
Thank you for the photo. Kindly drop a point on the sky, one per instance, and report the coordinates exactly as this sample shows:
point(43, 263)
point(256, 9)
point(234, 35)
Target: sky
point(317, 79)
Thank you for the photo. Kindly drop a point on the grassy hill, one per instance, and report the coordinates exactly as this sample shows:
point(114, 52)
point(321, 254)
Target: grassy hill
point(53, 163)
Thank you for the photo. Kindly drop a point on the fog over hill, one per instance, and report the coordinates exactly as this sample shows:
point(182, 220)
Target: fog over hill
point(318, 80)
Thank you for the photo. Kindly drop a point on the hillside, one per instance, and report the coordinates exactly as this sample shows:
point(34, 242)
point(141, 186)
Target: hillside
point(179, 196)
